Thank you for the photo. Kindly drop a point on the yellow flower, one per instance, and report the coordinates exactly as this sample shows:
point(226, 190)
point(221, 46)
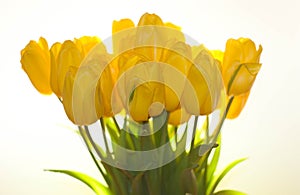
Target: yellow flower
point(89, 87)
point(63, 56)
point(240, 65)
point(69, 55)
point(239, 69)
point(35, 60)
point(80, 108)
point(178, 60)
point(109, 101)
point(139, 87)
point(202, 91)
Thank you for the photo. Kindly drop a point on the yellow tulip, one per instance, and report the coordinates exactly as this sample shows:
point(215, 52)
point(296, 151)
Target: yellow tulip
point(80, 108)
point(109, 102)
point(202, 91)
point(240, 65)
point(139, 86)
point(178, 60)
point(69, 55)
point(239, 69)
point(35, 60)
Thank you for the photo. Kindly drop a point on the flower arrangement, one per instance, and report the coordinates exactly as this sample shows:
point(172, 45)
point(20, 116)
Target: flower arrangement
point(149, 103)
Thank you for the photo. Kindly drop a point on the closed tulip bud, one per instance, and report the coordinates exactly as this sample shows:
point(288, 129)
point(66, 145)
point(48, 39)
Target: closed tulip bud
point(69, 55)
point(240, 65)
point(202, 91)
point(35, 60)
point(177, 59)
point(239, 69)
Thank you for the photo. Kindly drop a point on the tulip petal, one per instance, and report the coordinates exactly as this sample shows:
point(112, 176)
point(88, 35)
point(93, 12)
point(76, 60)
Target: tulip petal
point(178, 117)
point(69, 56)
point(35, 62)
point(86, 43)
point(237, 105)
point(54, 52)
point(243, 79)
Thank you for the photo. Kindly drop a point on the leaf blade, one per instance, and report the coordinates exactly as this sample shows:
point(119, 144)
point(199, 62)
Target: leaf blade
point(95, 185)
point(229, 192)
point(217, 179)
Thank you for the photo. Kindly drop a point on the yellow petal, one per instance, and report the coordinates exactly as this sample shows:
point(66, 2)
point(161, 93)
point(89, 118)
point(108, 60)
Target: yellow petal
point(123, 35)
point(120, 25)
point(195, 93)
point(110, 104)
point(158, 99)
point(237, 105)
point(218, 55)
point(171, 25)
point(35, 62)
point(150, 19)
point(80, 96)
point(68, 92)
point(86, 43)
point(177, 61)
point(140, 101)
point(243, 79)
point(69, 55)
point(54, 52)
point(178, 117)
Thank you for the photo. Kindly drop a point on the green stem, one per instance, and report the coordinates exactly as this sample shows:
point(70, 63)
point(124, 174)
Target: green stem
point(216, 133)
point(116, 123)
point(207, 130)
point(104, 137)
point(194, 132)
point(93, 156)
point(207, 155)
point(92, 142)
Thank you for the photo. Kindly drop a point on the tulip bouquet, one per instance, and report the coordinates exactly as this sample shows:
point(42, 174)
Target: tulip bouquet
point(149, 103)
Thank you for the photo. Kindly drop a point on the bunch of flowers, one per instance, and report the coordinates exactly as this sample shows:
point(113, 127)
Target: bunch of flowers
point(149, 103)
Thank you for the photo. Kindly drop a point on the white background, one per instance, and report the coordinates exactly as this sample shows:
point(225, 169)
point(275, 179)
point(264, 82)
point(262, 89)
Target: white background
point(35, 134)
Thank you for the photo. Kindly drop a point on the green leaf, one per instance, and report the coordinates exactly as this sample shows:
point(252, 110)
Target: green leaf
point(229, 192)
point(214, 162)
point(217, 179)
point(95, 185)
